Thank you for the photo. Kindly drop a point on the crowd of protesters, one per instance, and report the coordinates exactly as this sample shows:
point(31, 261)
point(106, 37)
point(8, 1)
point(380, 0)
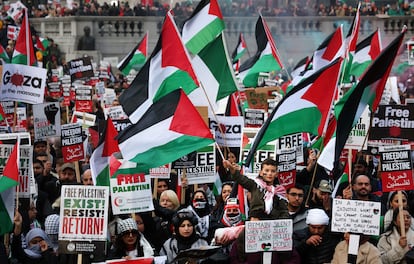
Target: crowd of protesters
point(234, 8)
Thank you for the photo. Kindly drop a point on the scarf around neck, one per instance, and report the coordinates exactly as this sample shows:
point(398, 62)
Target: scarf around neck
point(269, 192)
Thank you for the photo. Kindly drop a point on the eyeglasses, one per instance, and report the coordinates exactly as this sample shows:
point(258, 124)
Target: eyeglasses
point(300, 195)
point(130, 233)
point(185, 214)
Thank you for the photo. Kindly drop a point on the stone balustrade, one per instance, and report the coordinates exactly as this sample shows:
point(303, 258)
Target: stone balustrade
point(295, 37)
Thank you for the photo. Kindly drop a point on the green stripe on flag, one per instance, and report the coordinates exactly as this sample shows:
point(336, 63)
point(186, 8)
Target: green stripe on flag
point(205, 35)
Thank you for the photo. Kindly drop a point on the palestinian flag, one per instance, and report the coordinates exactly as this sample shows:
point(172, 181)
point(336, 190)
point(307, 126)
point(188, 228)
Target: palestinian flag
point(24, 51)
point(266, 58)
point(240, 50)
point(366, 51)
point(169, 68)
point(330, 49)
point(203, 26)
point(367, 92)
point(136, 58)
point(8, 181)
point(232, 108)
point(299, 67)
point(2, 113)
point(170, 129)
point(213, 68)
point(351, 40)
point(42, 43)
point(101, 155)
point(304, 109)
point(3, 55)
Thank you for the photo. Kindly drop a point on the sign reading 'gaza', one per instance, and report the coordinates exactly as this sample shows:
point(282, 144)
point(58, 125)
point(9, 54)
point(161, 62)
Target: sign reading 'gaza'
point(393, 121)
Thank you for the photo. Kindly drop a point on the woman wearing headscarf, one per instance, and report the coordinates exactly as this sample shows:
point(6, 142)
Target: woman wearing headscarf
point(392, 204)
point(201, 209)
point(130, 243)
point(184, 237)
point(37, 250)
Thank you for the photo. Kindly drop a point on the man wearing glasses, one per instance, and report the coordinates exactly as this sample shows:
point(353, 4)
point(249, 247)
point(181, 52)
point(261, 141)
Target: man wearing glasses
point(296, 208)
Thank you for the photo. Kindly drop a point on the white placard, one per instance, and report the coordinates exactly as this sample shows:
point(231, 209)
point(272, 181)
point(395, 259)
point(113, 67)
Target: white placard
point(269, 235)
point(356, 216)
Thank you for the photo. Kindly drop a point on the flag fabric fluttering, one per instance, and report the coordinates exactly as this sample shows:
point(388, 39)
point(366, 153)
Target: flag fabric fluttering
point(168, 68)
point(203, 26)
point(23, 50)
point(136, 58)
point(170, 129)
point(202, 35)
point(3, 55)
point(304, 109)
point(330, 49)
point(367, 92)
point(240, 50)
point(8, 181)
point(266, 58)
point(366, 51)
point(215, 73)
point(100, 157)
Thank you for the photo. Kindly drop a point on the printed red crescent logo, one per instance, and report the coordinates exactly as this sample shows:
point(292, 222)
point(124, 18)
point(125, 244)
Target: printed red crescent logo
point(119, 201)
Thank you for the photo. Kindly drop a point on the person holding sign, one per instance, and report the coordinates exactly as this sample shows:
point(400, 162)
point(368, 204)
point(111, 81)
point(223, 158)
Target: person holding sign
point(130, 243)
point(367, 252)
point(268, 201)
point(185, 236)
point(392, 245)
point(392, 204)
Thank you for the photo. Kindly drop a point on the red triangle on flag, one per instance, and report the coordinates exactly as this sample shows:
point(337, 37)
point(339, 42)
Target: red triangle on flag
point(110, 144)
point(334, 45)
point(215, 9)
point(11, 170)
point(114, 165)
point(143, 45)
point(187, 120)
point(173, 51)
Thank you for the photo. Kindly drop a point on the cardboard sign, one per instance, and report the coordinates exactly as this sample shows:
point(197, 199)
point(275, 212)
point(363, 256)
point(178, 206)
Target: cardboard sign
point(72, 143)
point(396, 168)
point(393, 121)
point(23, 83)
point(356, 216)
point(83, 219)
point(46, 120)
point(269, 235)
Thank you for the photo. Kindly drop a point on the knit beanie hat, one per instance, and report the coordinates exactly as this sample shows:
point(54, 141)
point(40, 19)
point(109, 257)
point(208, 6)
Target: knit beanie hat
point(125, 225)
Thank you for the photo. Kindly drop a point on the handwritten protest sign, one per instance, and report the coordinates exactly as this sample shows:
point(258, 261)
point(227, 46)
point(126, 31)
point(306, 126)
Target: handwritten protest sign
point(396, 168)
point(356, 216)
point(83, 219)
point(269, 235)
point(72, 143)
